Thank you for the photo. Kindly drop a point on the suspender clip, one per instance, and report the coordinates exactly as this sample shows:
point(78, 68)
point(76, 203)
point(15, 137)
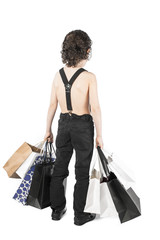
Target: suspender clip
point(67, 87)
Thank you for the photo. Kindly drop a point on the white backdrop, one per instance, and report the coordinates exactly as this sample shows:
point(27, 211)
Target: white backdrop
point(125, 59)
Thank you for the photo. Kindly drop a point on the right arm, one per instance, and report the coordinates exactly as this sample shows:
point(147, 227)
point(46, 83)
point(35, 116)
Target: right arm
point(95, 109)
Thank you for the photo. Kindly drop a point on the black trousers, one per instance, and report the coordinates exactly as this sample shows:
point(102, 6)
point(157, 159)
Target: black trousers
point(74, 132)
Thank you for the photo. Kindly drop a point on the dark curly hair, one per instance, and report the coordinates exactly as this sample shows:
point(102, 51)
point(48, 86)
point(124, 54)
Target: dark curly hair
point(74, 47)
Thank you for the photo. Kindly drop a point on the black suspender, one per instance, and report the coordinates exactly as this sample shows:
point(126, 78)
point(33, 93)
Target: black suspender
point(68, 84)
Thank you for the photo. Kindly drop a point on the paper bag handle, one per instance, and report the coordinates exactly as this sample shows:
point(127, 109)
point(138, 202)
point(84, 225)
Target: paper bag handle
point(104, 161)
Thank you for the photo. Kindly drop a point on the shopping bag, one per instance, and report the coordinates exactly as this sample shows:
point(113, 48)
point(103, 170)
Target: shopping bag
point(39, 195)
point(24, 168)
point(16, 160)
point(92, 204)
point(23, 190)
point(124, 174)
point(98, 198)
point(113, 165)
point(126, 202)
point(107, 208)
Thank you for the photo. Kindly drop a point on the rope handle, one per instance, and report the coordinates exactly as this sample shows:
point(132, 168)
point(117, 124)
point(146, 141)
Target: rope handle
point(47, 146)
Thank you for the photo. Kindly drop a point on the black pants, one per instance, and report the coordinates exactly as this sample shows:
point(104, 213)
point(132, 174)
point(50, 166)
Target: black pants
point(75, 131)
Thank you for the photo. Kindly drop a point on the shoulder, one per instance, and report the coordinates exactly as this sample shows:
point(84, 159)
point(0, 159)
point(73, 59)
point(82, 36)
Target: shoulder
point(89, 74)
point(91, 77)
point(56, 75)
point(55, 78)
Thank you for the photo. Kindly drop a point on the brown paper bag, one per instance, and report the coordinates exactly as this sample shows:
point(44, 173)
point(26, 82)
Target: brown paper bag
point(18, 158)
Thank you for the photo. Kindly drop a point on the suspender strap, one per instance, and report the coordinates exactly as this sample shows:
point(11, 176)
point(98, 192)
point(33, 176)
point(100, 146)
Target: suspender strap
point(68, 84)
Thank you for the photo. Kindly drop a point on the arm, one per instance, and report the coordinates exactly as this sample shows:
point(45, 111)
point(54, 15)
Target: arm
point(94, 102)
point(52, 107)
point(95, 109)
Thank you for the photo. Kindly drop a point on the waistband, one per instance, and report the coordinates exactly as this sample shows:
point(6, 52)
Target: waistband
point(85, 116)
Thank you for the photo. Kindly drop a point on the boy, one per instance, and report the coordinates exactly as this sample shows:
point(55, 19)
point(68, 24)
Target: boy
point(75, 89)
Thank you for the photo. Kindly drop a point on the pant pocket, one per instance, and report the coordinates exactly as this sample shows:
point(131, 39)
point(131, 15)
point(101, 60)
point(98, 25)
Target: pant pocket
point(85, 123)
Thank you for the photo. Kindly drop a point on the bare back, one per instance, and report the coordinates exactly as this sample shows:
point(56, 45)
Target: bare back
point(79, 92)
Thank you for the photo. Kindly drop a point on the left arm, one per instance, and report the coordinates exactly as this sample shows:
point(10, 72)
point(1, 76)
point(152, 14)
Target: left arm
point(52, 107)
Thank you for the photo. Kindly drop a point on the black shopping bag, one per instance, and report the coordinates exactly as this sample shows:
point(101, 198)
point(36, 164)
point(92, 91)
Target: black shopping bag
point(39, 194)
point(126, 202)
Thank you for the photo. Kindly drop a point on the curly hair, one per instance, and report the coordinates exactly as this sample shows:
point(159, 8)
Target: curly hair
point(74, 47)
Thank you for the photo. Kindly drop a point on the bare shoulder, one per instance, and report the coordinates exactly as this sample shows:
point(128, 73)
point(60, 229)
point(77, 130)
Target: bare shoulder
point(91, 77)
point(56, 75)
point(90, 74)
point(55, 78)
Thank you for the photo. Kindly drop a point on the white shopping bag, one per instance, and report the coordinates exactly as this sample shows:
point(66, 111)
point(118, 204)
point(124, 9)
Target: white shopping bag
point(99, 199)
point(107, 207)
point(122, 175)
point(23, 169)
point(93, 195)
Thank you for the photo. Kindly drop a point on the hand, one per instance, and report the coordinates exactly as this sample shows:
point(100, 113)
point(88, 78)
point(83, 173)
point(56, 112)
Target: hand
point(99, 142)
point(48, 136)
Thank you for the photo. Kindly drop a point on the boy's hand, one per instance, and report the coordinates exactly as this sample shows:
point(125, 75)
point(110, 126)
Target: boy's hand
point(99, 142)
point(48, 136)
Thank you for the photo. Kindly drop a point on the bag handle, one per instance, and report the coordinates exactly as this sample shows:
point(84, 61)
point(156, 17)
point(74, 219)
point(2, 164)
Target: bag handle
point(42, 148)
point(52, 147)
point(43, 142)
point(47, 146)
point(104, 161)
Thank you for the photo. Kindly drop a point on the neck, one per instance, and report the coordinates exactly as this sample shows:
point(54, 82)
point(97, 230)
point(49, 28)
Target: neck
point(79, 65)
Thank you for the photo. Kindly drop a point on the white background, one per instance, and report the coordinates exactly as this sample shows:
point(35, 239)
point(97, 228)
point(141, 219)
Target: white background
point(125, 59)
